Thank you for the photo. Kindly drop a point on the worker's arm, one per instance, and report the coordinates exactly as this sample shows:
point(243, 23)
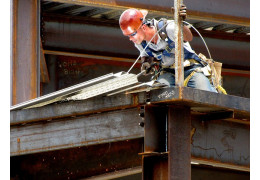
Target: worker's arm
point(187, 35)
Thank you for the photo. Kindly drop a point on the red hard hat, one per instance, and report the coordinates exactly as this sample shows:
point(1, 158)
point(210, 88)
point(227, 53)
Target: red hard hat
point(131, 20)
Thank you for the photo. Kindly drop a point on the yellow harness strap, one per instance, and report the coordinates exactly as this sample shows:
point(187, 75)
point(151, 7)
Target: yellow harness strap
point(185, 83)
point(221, 89)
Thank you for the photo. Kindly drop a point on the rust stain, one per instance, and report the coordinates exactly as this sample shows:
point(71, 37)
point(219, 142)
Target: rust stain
point(180, 92)
point(18, 145)
point(135, 99)
point(192, 134)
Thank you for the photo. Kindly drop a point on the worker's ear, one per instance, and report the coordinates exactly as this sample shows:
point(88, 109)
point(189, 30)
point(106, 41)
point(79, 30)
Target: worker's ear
point(144, 27)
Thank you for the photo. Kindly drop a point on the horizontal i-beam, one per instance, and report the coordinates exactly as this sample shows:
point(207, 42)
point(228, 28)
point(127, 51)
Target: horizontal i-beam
point(208, 10)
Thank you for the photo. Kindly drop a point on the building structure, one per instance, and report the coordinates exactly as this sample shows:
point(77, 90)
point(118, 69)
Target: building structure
point(60, 43)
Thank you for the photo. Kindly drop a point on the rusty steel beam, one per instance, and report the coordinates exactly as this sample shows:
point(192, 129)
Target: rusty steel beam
point(116, 159)
point(195, 98)
point(80, 162)
point(201, 26)
point(64, 110)
point(90, 39)
point(198, 100)
point(75, 132)
point(179, 158)
point(213, 142)
point(213, 11)
point(155, 129)
point(155, 167)
point(25, 50)
point(155, 142)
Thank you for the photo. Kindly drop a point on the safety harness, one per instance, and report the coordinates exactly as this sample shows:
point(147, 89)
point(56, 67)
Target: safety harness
point(191, 59)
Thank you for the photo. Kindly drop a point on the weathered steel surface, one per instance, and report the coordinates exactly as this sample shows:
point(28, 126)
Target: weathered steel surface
point(25, 81)
point(70, 109)
point(87, 38)
point(53, 127)
point(155, 129)
point(78, 162)
point(198, 98)
point(206, 172)
point(179, 158)
point(213, 142)
point(80, 131)
point(155, 167)
point(221, 141)
point(105, 159)
point(203, 9)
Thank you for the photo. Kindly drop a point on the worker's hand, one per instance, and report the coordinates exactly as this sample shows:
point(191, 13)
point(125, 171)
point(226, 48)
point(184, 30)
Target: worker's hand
point(147, 67)
point(147, 63)
point(183, 12)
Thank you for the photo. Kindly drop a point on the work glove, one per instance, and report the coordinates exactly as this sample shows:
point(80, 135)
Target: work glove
point(183, 12)
point(147, 65)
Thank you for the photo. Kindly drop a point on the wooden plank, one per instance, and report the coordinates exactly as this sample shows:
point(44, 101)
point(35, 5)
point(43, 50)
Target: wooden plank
point(100, 128)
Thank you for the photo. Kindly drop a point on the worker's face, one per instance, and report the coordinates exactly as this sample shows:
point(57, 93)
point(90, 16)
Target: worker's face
point(138, 36)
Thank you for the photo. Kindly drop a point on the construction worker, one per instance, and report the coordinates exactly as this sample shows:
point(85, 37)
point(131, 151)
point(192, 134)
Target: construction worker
point(141, 31)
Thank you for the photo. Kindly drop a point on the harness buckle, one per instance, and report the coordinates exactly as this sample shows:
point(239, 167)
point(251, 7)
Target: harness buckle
point(168, 49)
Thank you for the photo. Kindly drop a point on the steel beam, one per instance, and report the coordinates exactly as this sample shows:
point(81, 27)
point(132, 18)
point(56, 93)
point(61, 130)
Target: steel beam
point(213, 11)
point(119, 159)
point(155, 129)
point(81, 162)
point(76, 132)
point(25, 50)
point(90, 39)
point(179, 158)
point(64, 110)
point(197, 98)
point(213, 142)
point(155, 143)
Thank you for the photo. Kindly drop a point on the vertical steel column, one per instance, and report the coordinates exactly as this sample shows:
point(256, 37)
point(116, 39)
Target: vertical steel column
point(178, 34)
point(179, 158)
point(25, 29)
point(155, 129)
point(155, 163)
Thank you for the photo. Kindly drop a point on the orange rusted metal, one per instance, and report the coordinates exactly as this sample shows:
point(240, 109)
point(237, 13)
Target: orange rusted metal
point(24, 54)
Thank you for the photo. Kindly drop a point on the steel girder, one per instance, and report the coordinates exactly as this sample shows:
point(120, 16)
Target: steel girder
point(94, 39)
point(214, 11)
